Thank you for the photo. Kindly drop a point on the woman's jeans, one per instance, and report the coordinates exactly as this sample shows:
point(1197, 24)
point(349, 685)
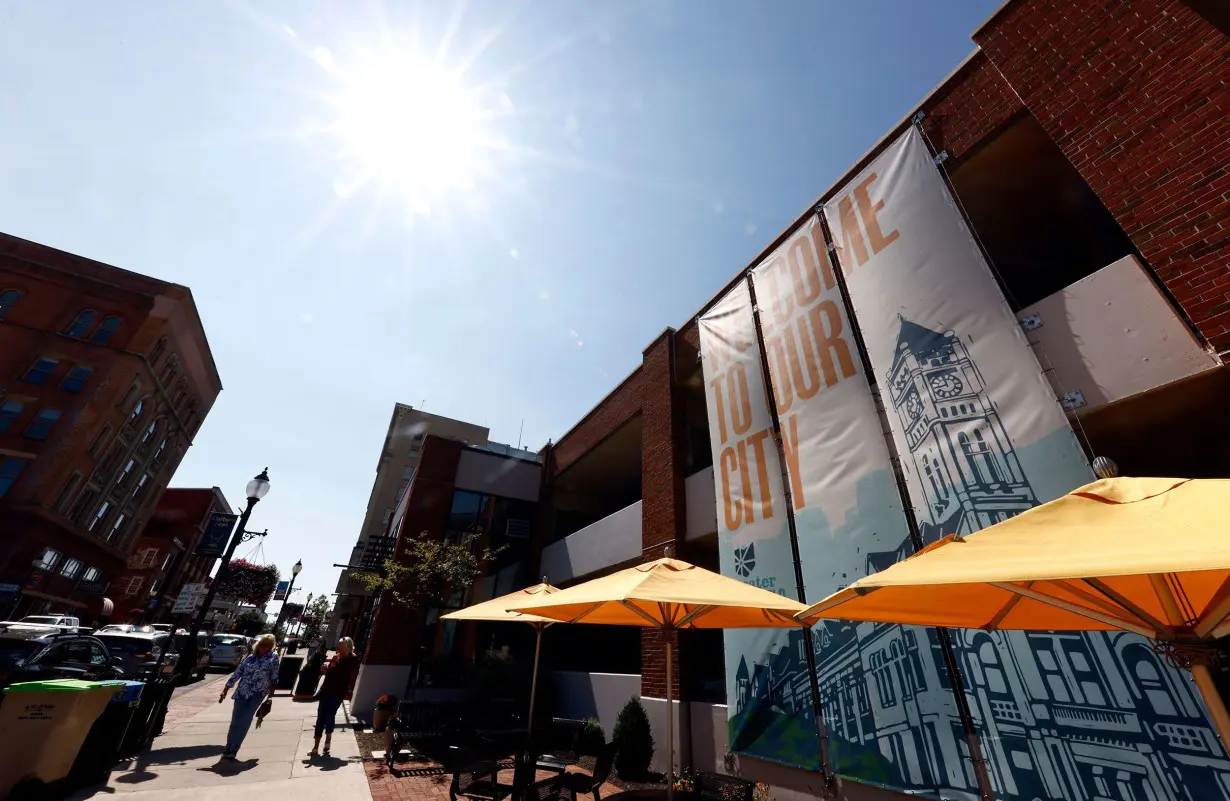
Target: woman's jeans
point(326, 710)
point(241, 720)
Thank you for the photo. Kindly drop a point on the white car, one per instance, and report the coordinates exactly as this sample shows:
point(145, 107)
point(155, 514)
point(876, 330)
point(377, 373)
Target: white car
point(227, 650)
point(65, 623)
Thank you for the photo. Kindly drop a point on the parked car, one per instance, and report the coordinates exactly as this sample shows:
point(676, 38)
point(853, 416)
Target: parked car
point(167, 627)
point(228, 650)
point(36, 653)
point(68, 624)
point(202, 650)
point(140, 651)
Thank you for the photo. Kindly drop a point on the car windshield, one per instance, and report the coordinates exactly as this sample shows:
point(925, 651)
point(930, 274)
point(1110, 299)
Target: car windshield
point(119, 644)
point(226, 639)
point(13, 652)
point(45, 620)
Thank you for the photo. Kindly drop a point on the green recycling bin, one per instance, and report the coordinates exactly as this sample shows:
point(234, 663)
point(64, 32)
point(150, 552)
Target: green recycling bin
point(42, 726)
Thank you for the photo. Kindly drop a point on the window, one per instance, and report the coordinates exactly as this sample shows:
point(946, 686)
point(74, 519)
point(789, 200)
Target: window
point(137, 411)
point(98, 656)
point(8, 413)
point(117, 530)
point(100, 515)
point(76, 378)
point(132, 586)
point(123, 479)
point(158, 351)
point(140, 490)
point(169, 372)
point(162, 446)
point(167, 562)
point(106, 330)
point(132, 390)
point(66, 492)
point(7, 298)
point(71, 568)
point(149, 433)
point(81, 506)
point(48, 559)
point(10, 469)
point(38, 372)
point(92, 574)
point(41, 426)
point(82, 325)
point(99, 440)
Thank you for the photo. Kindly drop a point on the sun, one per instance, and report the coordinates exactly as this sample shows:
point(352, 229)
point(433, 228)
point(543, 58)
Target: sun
point(411, 127)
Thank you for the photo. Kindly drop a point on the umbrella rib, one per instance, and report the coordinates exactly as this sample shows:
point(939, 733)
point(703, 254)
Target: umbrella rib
point(1013, 600)
point(1105, 604)
point(578, 618)
point(633, 607)
point(699, 611)
point(1216, 611)
point(1076, 609)
point(1121, 599)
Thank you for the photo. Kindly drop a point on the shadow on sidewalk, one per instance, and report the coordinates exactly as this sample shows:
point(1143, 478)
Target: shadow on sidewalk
point(228, 768)
point(331, 763)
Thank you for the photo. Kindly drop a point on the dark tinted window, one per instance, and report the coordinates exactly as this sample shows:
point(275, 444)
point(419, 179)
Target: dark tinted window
point(14, 651)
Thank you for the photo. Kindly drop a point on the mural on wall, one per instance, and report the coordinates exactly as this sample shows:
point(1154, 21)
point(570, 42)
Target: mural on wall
point(1060, 715)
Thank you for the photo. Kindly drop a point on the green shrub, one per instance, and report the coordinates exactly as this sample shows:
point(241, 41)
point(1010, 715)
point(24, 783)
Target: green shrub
point(634, 741)
point(592, 738)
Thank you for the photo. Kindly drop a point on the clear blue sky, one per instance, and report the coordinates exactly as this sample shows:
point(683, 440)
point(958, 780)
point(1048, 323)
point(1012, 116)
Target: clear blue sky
point(501, 242)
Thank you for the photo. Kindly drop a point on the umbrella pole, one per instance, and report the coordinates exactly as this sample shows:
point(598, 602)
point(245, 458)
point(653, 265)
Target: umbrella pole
point(670, 736)
point(529, 726)
point(1212, 700)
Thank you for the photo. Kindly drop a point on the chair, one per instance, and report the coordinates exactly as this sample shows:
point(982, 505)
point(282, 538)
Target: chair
point(561, 744)
point(719, 787)
point(475, 778)
point(526, 788)
point(581, 783)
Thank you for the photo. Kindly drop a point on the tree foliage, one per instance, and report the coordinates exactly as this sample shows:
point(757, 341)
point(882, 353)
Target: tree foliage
point(250, 623)
point(429, 571)
point(316, 616)
point(291, 610)
point(634, 740)
point(248, 582)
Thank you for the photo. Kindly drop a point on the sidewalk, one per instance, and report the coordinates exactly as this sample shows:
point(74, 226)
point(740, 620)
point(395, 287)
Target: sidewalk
point(184, 763)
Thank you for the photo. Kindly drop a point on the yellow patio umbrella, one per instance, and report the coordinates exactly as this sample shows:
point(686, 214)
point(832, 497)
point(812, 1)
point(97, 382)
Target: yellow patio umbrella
point(497, 610)
point(668, 594)
point(1145, 555)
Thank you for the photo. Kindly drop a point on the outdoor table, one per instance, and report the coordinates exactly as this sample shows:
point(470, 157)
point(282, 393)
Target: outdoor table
point(554, 763)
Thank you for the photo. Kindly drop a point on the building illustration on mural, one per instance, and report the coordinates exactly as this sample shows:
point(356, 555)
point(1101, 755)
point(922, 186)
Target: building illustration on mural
point(1060, 715)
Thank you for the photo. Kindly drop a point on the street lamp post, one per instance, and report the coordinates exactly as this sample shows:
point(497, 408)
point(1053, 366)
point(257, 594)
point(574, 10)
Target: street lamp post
point(294, 573)
point(257, 488)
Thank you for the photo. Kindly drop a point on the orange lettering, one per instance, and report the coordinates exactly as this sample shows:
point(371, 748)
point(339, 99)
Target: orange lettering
point(806, 380)
point(745, 481)
point(830, 342)
point(790, 443)
point(851, 234)
point(716, 385)
point(782, 307)
point(779, 374)
point(868, 211)
point(740, 400)
point(806, 278)
point(733, 512)
point(762, 473)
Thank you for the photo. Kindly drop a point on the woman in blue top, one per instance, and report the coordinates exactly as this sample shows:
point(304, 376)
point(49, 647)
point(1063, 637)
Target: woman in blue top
point(257, 677)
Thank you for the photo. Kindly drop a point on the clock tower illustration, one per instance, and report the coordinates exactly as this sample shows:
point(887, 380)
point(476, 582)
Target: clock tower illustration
point(960, 451)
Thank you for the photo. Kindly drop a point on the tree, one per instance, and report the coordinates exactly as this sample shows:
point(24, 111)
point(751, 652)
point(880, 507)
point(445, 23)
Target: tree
point(430, 570)
point(249, 583)
point(250, 623)
point(291, 610)
point(316, 616)
point(634, 740)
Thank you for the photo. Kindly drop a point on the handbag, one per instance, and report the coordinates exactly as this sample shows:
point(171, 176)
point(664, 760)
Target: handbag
point(264, 710)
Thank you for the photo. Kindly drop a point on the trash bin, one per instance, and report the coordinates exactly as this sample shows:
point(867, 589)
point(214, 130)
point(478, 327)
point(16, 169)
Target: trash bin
point(288, 671)
point(102, 745)
point(42, 726)
point(309, 679)
point(147, 718)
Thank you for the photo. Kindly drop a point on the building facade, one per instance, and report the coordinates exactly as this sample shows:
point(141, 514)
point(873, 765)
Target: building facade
point(395, 469)
point(163, 557)
point(105, 377)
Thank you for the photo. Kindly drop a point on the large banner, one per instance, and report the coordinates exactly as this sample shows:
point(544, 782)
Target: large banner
point(753, 534)
point(875, 680)
point(981, 438)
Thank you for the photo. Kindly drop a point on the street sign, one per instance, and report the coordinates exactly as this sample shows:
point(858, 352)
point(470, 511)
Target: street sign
point(9, 591)
point(217, 532)
point(190, 598)
point(92, 587)
point(279, 594)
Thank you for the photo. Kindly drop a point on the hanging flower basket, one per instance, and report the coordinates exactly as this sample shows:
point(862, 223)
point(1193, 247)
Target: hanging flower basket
point(249, 583)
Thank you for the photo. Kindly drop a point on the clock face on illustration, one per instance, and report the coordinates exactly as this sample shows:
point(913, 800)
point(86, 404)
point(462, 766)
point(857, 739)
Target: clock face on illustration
point(913, 405)
point(945, 385)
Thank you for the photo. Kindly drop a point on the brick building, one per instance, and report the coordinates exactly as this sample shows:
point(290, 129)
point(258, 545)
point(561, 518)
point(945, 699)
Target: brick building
point(105, 377)
point(163, 559)
point(1089, 147)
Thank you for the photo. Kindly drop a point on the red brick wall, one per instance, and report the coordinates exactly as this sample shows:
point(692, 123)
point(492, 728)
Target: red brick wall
point(1137, 95)
point(396, 629)
point(663, 520)
point(975, 104)
point(607, 417)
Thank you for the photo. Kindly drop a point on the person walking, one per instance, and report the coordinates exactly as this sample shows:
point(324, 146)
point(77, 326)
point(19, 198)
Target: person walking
point(339, 674)
point(257, 677)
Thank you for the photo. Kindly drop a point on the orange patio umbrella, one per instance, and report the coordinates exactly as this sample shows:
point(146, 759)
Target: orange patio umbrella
point(1145, 555)
point(667, 594)
point(497, 610)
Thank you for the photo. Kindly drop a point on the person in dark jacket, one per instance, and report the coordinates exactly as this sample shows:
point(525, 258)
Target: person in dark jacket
point(339, 675)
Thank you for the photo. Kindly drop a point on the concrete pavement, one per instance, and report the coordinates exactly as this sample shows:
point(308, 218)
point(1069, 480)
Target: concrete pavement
point(184, 763)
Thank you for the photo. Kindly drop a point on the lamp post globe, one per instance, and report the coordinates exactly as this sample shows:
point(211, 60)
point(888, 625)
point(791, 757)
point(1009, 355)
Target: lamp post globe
point(258, 487)
point(297, 569)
